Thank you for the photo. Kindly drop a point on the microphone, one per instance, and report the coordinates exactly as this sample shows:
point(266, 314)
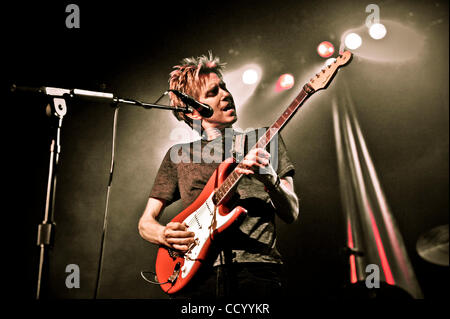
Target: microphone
point(204, 109)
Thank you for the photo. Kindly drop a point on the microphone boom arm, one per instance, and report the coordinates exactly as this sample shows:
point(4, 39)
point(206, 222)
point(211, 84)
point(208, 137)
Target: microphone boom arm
point(92, 95)
point(152, 105)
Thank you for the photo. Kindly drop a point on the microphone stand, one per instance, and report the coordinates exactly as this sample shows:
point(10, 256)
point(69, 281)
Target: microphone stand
point(57, 109)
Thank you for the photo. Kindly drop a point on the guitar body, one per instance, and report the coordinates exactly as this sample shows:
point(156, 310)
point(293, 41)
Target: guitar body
point(206, 220)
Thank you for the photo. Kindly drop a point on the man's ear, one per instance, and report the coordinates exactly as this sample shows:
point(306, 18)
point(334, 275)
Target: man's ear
point(194, 116)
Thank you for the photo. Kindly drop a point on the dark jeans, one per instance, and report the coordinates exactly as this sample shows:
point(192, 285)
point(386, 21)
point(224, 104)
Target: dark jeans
point(235, 281)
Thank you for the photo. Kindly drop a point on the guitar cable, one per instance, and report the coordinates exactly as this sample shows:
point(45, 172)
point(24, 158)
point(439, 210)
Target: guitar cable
point(150, 281)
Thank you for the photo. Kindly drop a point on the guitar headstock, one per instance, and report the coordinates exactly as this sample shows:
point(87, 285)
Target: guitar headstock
point(324, 77)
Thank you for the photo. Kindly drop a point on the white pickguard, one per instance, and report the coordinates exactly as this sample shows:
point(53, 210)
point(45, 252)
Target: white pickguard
point(200, 222)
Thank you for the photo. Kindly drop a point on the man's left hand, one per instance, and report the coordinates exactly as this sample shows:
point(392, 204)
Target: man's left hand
point(257, 163)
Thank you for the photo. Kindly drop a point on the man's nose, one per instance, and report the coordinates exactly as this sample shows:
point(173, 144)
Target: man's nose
point(225, 94)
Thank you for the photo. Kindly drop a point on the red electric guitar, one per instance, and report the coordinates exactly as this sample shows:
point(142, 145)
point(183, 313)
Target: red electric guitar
point(209, 214)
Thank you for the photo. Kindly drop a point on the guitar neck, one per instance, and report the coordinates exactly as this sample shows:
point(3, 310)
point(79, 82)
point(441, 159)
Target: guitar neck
point(285, 117)
point(273, 130)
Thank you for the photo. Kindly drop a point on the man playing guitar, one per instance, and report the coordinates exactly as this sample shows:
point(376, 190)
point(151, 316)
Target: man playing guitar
point(244, 261)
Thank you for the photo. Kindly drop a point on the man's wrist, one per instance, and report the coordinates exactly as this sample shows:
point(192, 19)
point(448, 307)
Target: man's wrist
point(274, 186)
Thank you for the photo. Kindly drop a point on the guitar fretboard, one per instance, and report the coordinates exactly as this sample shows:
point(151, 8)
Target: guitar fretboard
point(229, 183)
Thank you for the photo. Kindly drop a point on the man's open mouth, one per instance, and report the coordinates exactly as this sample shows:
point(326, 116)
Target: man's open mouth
point(228, 107)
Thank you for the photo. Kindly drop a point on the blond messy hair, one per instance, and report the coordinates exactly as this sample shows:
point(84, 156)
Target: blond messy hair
point(187, 78)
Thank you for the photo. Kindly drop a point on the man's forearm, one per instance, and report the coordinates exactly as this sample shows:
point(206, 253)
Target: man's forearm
point(285, 201)
point(151, 230)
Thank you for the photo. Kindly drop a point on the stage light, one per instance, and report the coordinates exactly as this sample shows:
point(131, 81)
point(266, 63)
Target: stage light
point(403, 43)
point(377, 31)
point(325, 49)
point(285, 82)
point(250, 76)
point(352, 41)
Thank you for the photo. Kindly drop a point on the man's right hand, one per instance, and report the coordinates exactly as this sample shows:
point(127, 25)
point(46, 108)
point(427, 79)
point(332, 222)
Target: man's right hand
point(177, 236)
point(174, 235)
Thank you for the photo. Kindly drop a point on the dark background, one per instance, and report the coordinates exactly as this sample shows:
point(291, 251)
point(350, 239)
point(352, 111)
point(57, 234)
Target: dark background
point(129, 48)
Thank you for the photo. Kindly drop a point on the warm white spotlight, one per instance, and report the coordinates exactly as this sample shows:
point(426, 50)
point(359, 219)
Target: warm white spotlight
point(250, 76)
point(377, 31)
point(322, 49)
point(352, 41)
point(235, 79)
point(401, 44)
point(287, 81)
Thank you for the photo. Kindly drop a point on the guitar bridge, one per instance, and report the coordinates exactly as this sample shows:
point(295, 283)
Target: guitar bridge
point(187, 254)
point(174, 254)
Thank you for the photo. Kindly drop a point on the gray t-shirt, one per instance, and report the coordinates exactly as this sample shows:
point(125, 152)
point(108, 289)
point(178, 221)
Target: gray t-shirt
point(181, 176)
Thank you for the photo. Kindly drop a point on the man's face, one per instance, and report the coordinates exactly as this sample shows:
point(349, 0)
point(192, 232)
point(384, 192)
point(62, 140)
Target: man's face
point(215, 94)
